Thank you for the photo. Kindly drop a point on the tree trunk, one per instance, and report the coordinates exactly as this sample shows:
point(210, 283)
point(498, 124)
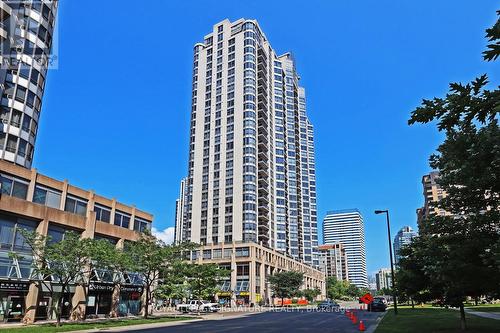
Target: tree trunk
point(146, 306)
point(412, 304)
point(115, 301)
point(462, 317)
point(475, 300)
point(59, 310)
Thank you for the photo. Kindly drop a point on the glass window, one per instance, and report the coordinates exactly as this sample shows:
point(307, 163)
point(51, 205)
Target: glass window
point(141, 225)
point(122, 220)
point(76, 206)
point(14, 187)
point(47, 197)
point(242, 252)
point(103, 214)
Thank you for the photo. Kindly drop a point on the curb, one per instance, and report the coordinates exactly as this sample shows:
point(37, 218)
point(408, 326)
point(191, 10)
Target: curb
point(373, 327)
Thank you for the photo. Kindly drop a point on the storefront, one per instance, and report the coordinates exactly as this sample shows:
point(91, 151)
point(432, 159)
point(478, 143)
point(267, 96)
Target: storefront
point(224, 299)
point(242, 298)
point(99, 299)
point(12, 300)
point(130, 300)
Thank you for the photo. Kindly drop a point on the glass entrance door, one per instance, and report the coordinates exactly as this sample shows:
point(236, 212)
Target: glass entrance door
point(15, 308)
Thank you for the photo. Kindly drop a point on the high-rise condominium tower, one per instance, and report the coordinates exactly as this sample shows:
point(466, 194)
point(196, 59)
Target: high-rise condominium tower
point(26, 28)
point(346, 227)
point(251, 174)
point(404, 237)
point(433, 193)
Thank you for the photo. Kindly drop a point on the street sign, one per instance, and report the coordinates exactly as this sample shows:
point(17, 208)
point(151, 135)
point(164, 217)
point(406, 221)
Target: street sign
point(366, 298)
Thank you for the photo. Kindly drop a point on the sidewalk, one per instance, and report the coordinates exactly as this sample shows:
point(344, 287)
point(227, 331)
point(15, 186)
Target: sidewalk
point(490, 315)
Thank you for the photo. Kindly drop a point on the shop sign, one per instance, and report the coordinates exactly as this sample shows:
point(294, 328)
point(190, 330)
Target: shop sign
point(12, 285)
point(131, 289)
point(244, 293)
point(101, 287)
point(224, 294)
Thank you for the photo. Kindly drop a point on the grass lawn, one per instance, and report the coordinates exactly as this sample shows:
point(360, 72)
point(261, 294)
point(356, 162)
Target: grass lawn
point(486, 308)
point(67, 327)
point(434, 320)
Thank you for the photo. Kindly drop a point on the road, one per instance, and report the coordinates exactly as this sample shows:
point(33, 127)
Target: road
point(274, 321)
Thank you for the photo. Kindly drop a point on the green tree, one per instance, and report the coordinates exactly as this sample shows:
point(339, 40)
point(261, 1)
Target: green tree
point(336, 289)
point(60, 263)
point(458, 256)
point(204, 279)
point(152, 259)
point(286, 284)
point(173, 283)
point(310, 294)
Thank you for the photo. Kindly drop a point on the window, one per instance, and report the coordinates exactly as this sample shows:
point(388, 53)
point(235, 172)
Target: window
point(10, 235)
point(14, 187)
point(47, 197)
point(122, 220)
point(207, 254)
point(141, 225)
point(76, 206)
point(102, 213)
point(242, 252)
point(242, 269)
point(217, 254)
point(228, 253)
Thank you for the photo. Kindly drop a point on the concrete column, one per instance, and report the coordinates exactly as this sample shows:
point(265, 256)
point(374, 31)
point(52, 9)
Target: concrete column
point(113, 210)
point(31, 301)
point(63, 195)
point(262, 272)
point(252, 284)
point(31, 186)
point(79, 303)
point(132, 218)
point(233, 277)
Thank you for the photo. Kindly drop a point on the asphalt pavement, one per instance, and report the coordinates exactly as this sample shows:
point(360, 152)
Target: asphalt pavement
point(286, 320)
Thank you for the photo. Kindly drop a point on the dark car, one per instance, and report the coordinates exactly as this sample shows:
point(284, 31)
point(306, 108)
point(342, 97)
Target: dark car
point(328, 306)
point(377, 305)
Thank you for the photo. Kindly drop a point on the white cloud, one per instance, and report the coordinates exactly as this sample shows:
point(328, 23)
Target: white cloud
point(166, 235)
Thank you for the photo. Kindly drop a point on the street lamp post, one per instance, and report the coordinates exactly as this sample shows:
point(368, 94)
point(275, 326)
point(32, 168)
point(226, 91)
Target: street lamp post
point(390, 255)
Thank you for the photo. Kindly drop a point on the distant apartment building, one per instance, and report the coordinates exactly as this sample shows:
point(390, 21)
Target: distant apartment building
point(404, 236)
point(251, 170)
point(347, 227)
point(383, 278)
point(26, 35)
point(32, 201)
point(333, 261)
point(179, 211)
point(433, 193)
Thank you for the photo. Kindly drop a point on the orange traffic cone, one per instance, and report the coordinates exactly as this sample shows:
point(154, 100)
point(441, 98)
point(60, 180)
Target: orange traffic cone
point(354, 320)
point(362, 326)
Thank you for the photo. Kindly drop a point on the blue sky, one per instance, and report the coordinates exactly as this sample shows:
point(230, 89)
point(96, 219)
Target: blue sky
point(116, 111)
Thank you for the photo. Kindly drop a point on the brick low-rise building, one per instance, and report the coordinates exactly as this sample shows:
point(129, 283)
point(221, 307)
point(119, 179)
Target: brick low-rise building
point(33, 201)
point(251, 264)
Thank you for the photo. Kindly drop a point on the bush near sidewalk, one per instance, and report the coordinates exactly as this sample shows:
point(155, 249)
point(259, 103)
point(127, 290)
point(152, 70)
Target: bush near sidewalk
point(430, 320)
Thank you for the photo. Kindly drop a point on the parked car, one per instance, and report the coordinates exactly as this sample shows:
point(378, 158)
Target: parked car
point(383, 299)
point(197, 305)
point(377, 305)
point(328, 306)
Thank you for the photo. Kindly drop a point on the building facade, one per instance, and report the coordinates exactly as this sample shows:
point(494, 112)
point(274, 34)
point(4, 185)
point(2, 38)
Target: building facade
point(251, 264)
point(433, 193)
point(333, 261)
point(383, 278)
point(404, 237)
point(347, 227)
point(26, 34)
point(251, 170)
point(35, 202)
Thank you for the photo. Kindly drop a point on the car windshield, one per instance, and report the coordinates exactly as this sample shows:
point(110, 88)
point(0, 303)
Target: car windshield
point(204, 302)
